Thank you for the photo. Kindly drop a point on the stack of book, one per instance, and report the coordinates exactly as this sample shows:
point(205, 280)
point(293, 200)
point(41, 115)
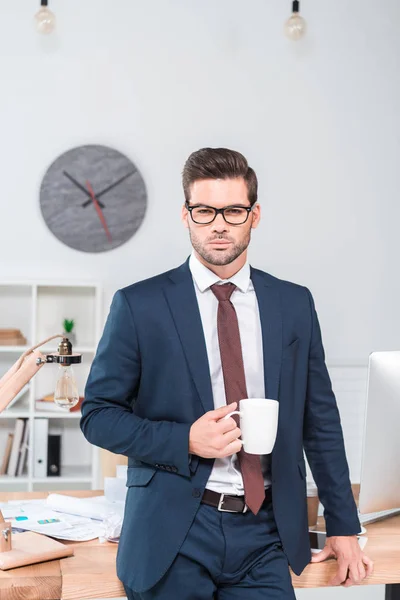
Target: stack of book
point(16, 451)
point(12, 337)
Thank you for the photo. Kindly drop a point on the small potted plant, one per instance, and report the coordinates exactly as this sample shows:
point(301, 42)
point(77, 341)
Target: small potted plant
point(68, 325)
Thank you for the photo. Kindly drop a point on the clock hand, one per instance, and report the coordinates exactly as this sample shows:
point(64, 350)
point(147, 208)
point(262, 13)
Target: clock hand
point(78, 185)
point(110, 187)
point(99, 211)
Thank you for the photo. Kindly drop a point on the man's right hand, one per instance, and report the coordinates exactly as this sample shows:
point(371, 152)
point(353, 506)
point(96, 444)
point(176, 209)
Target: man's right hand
point(211, 437)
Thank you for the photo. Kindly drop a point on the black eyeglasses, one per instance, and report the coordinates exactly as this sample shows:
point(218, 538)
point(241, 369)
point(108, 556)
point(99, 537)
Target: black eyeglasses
point(234, 215)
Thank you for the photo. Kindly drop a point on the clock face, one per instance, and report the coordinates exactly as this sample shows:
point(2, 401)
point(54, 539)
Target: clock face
point(93, 198)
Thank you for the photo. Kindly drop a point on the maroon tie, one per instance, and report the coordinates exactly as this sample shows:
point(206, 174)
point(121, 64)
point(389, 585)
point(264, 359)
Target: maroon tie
point(235, 389)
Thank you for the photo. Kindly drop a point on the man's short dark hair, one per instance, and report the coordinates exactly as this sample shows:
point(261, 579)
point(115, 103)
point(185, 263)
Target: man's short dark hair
point(218, 163)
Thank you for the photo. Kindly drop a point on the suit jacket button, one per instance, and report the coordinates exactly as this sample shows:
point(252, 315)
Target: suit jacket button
point(196, 493)
point(168, 468)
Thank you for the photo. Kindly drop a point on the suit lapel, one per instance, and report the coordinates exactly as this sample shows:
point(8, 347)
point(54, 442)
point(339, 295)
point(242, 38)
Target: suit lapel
point(182, 301)
point(269, 305)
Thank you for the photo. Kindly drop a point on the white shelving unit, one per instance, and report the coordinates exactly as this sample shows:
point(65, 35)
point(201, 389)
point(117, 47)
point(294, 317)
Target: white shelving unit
point(38, 308)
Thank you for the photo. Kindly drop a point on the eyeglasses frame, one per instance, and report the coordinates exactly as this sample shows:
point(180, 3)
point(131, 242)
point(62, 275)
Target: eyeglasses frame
point(219, 211)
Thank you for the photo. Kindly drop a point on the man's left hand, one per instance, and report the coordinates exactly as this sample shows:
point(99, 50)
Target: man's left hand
point(353, 564)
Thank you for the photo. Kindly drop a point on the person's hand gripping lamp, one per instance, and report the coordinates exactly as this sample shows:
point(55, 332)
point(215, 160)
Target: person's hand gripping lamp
point(66, 392)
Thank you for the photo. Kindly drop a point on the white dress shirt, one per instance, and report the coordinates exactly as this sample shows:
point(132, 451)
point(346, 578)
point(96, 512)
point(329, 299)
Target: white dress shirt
point(225, 476)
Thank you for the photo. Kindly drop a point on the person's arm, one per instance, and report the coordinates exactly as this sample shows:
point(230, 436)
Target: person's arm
point(323, 442)
point(107, 418)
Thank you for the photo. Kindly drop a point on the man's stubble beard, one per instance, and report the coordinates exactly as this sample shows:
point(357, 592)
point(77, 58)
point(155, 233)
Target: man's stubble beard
point(220, 257)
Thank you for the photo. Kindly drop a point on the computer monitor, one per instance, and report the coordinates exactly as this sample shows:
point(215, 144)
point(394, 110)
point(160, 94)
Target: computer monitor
point(380, 470)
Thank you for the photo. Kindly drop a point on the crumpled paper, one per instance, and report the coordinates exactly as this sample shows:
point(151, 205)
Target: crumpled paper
point(112, 524)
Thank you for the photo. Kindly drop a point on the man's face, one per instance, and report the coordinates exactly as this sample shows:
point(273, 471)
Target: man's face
point(220, 243)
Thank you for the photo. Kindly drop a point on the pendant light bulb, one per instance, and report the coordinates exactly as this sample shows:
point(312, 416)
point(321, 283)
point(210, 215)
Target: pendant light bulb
point(295, 26)
point(45, 20)
point(66, 393)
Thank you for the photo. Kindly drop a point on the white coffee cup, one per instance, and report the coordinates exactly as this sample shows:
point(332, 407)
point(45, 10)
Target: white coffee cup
point(258, 424)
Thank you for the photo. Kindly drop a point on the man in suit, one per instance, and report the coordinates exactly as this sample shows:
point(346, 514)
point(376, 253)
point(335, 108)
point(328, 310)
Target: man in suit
point(203, 518)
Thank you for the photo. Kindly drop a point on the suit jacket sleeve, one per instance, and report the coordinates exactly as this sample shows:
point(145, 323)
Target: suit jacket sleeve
point(107, 417)
point(323, 442)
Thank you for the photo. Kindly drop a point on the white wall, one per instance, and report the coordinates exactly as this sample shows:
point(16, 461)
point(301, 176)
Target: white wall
point(318, 120)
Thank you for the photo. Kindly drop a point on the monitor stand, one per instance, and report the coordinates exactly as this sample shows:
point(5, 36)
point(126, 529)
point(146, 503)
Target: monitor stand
point(373, 517)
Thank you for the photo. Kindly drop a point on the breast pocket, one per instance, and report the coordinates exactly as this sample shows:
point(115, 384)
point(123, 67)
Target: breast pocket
point(290, 351)
point(139, 476)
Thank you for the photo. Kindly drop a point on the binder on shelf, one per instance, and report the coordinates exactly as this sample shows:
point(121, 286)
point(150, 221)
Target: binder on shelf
point(40, 433)
point(14, 456)
point(23, 456)
point(6, 455)
point(54, 455)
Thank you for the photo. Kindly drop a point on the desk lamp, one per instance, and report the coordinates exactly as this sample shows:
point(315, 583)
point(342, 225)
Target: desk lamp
point(30, 547)
point(31, 361)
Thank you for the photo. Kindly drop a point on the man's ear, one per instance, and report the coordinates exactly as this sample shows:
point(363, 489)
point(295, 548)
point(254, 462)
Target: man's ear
point(256, 216)
point(185, 216)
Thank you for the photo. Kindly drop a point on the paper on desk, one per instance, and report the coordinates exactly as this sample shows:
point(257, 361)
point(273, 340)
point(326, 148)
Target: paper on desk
point(75, 530)
point(65, 527)
point(38, 501)
point(82, 507)
point(362, 541)
point(74, 517)
point(110, 513)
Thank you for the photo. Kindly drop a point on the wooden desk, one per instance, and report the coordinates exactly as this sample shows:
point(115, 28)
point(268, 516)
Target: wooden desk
point(91, 572)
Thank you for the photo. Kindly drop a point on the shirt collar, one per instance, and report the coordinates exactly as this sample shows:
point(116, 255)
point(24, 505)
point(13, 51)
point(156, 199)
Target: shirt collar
point(204, 278)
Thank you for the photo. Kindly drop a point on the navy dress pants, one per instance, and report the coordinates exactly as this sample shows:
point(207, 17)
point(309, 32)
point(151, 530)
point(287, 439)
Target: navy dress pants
point(226, 556)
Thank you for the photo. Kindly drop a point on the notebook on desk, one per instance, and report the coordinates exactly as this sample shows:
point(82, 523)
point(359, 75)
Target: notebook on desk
point(29, 548)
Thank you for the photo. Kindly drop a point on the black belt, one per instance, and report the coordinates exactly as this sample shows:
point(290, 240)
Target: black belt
point(228, 503)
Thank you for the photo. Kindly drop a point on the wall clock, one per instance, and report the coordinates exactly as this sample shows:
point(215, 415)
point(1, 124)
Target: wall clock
point(93, 198)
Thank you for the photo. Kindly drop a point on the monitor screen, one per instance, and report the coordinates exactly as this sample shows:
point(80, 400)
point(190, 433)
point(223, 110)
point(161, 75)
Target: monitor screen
point(380, 469)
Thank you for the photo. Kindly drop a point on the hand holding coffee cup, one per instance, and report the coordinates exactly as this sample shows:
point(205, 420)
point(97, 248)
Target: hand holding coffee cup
point(258, 424)
point(212, 436)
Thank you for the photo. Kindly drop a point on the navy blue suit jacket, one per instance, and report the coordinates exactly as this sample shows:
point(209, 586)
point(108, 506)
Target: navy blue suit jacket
point(150, 381)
